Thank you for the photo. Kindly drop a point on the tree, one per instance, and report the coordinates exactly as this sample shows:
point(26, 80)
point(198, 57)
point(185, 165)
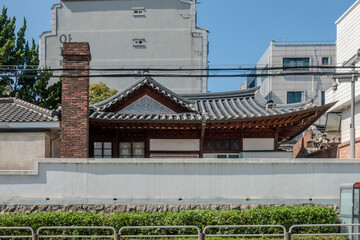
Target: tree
point(18, 57)
point(99, 92)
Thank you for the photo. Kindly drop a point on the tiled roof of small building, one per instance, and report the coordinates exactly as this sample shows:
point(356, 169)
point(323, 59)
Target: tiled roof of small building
point(16, 110)
point(219, 106)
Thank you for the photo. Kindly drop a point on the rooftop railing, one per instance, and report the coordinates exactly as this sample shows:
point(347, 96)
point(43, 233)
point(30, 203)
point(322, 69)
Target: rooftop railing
point(284, 43)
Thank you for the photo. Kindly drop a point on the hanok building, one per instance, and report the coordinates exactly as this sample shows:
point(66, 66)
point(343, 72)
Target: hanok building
point(149, 120)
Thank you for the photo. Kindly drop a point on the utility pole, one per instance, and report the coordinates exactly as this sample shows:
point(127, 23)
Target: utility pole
point(352, 123)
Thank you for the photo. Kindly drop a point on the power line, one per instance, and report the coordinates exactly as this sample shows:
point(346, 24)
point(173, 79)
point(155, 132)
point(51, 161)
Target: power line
point(146, 69)
point(180, 75)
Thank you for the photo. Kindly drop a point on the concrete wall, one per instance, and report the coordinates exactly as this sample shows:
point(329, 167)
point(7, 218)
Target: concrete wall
point(179, 181)
point(18, 150)
point(168, 28)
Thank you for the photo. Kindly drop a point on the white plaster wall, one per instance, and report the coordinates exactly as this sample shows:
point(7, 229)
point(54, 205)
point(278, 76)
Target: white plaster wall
point(174, 144)
point(273, 155)
point(168, 27)
point(264, 144)
point(18, 150)
point(162, 181)
point(348, 34)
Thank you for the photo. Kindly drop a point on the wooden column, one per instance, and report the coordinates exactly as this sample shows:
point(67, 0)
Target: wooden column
point(276, 139)
point(202, 134)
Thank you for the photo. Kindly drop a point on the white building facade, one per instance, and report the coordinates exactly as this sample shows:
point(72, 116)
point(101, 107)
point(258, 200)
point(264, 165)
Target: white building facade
point(133, 34)
point(348, 45)
point(293, 89)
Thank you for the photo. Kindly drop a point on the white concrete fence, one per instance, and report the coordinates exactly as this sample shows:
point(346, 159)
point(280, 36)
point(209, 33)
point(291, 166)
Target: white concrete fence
point(179, 181)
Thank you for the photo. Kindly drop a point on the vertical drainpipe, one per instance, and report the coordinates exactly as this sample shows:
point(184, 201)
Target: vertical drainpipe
point(352, 124)
point(270, 65)
point(203, 41)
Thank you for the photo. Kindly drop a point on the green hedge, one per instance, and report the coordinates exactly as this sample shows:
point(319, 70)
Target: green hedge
point(286, 216)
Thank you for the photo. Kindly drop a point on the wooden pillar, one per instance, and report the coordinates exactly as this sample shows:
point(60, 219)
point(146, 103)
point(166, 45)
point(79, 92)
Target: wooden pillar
point(147, 144)
point(241, 137)
point(116, 143)
point(202, 135)
point(276, 139)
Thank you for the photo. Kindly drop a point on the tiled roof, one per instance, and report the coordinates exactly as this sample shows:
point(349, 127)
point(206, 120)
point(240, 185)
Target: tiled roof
point(220, 106)
point(106, 104)
point(236, 105)
point(16, 110)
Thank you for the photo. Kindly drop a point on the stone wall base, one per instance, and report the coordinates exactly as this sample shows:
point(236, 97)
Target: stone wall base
point(130, 208)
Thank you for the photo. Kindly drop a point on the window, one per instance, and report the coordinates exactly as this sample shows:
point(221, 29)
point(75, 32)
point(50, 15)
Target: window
point(296, 62)
point(251, 82)
point(132, 150)
point(322, 97)
point(325, 61)
point(294, 97)
point(139, 42)
point(102, 150)
point(222, 145)
point(138, 11)
point(227, 156)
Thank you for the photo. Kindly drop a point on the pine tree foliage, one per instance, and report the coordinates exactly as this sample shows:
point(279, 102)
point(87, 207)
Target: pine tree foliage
point(17, 54)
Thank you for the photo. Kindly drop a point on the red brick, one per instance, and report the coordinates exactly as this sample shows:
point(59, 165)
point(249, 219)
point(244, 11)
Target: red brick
point(344, 149)
point(299, 149)
point(75, 101)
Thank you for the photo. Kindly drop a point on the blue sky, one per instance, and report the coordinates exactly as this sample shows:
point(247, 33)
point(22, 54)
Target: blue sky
point(240, 30)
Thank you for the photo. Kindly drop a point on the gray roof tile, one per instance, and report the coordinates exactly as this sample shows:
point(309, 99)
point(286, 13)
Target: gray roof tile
point(219, 106)
point(16, 110)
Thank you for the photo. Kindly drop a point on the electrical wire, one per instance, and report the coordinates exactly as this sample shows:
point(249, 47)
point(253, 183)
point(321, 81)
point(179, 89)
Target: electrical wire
point(14, 68)
point(179, 75)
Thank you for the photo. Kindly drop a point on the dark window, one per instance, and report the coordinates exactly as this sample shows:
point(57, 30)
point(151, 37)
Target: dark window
point(138, 11)
point(139, 42)
point(251, 82)
point(325, 61)
point(322, 97)
point(227, 156)
point(222, 145)
point(294, 97)
point(302, 63)
point(102, 150)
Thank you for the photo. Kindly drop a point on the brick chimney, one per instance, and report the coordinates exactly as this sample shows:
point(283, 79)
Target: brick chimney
point(75, 100)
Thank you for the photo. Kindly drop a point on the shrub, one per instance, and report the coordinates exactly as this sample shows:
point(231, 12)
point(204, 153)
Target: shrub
point(286, 216)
